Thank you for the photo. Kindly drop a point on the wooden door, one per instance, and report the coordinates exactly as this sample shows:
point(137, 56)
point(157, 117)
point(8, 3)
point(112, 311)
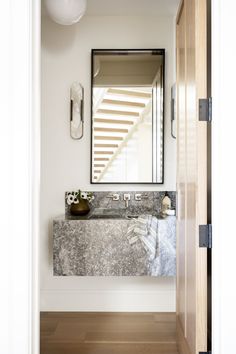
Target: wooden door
point(191, 177)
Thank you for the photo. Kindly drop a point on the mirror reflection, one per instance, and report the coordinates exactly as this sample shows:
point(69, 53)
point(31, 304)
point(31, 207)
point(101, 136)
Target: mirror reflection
point(127, 116)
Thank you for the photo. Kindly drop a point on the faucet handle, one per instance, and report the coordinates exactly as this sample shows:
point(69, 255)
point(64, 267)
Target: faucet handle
point(114, 196)
point(140, 196)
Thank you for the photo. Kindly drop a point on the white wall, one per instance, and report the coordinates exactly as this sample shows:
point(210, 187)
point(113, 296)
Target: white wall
point(66, 163)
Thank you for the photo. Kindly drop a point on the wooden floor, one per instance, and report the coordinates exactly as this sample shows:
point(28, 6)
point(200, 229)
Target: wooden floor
point(108, 333)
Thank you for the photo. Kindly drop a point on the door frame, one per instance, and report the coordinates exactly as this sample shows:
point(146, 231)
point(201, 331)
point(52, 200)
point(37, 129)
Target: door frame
point(223, 141)
point(20, 29)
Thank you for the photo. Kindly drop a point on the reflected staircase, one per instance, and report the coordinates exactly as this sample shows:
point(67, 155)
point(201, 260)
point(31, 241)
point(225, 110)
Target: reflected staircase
point(115, 118)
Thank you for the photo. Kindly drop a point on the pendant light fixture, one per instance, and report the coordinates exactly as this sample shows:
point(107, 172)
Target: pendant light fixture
point(66, 12)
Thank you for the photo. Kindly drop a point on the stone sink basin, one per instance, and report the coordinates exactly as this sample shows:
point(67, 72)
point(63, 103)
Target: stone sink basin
point(103, 213)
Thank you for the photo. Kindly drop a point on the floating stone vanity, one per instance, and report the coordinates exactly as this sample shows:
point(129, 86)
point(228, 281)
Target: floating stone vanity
point(97, 245)
point(100, 247)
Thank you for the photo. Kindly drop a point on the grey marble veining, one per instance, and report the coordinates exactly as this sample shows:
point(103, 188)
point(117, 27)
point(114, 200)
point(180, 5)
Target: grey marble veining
point(165, 263)
point(148, 205)
point(101, 248)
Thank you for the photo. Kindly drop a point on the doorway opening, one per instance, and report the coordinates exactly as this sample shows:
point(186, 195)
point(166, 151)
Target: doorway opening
point(82, 311)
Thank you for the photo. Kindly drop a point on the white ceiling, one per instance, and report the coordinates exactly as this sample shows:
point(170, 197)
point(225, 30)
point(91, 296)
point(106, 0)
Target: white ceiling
point(130, 7)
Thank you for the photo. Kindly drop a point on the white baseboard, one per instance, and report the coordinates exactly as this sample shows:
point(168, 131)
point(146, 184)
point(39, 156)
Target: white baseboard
point(108, 301)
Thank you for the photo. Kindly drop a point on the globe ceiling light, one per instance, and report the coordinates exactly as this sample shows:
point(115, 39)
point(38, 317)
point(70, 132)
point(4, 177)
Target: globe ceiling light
point(66, 12)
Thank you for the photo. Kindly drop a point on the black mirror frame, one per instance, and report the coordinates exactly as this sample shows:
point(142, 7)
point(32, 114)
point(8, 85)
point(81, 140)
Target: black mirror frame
point(161, 52)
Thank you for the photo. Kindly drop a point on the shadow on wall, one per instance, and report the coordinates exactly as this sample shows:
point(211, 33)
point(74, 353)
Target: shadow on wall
point(50, 245)
point(55, 37)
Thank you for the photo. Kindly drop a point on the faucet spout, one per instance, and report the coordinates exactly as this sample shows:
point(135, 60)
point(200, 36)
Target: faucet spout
point(126, 199)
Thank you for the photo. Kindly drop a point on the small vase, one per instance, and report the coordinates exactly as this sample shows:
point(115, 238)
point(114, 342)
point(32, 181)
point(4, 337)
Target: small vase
point(80, 209)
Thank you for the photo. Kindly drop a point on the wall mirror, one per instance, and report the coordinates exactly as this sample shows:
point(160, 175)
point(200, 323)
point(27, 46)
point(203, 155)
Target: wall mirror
point(127, 116)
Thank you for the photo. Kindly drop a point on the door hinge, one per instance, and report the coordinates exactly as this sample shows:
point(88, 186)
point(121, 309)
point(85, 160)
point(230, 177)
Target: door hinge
point(205, 109)
point(205, 236)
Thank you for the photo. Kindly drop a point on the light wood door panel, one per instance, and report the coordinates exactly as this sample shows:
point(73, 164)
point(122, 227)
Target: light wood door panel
point(191, 177)
point(201, 88)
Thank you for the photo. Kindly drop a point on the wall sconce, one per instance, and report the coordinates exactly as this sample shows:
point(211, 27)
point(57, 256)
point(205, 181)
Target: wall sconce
point(77, 111)
point(97, 66)
point(66, 12)
point(173, 109)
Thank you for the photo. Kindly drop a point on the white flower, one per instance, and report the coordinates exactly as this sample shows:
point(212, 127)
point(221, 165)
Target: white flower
point(90, 198)
point(70, 199)
point(76, 201)
point(73, 197)
point(83, 195)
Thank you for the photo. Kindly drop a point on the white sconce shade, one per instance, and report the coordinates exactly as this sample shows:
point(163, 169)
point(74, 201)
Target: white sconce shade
point(66, 12)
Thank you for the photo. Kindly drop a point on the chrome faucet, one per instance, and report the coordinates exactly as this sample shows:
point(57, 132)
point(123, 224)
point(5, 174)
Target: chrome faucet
point(126, 199)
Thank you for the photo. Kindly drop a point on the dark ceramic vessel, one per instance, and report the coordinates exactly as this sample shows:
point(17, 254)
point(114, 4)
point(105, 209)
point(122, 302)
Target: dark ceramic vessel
point(82, 208)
